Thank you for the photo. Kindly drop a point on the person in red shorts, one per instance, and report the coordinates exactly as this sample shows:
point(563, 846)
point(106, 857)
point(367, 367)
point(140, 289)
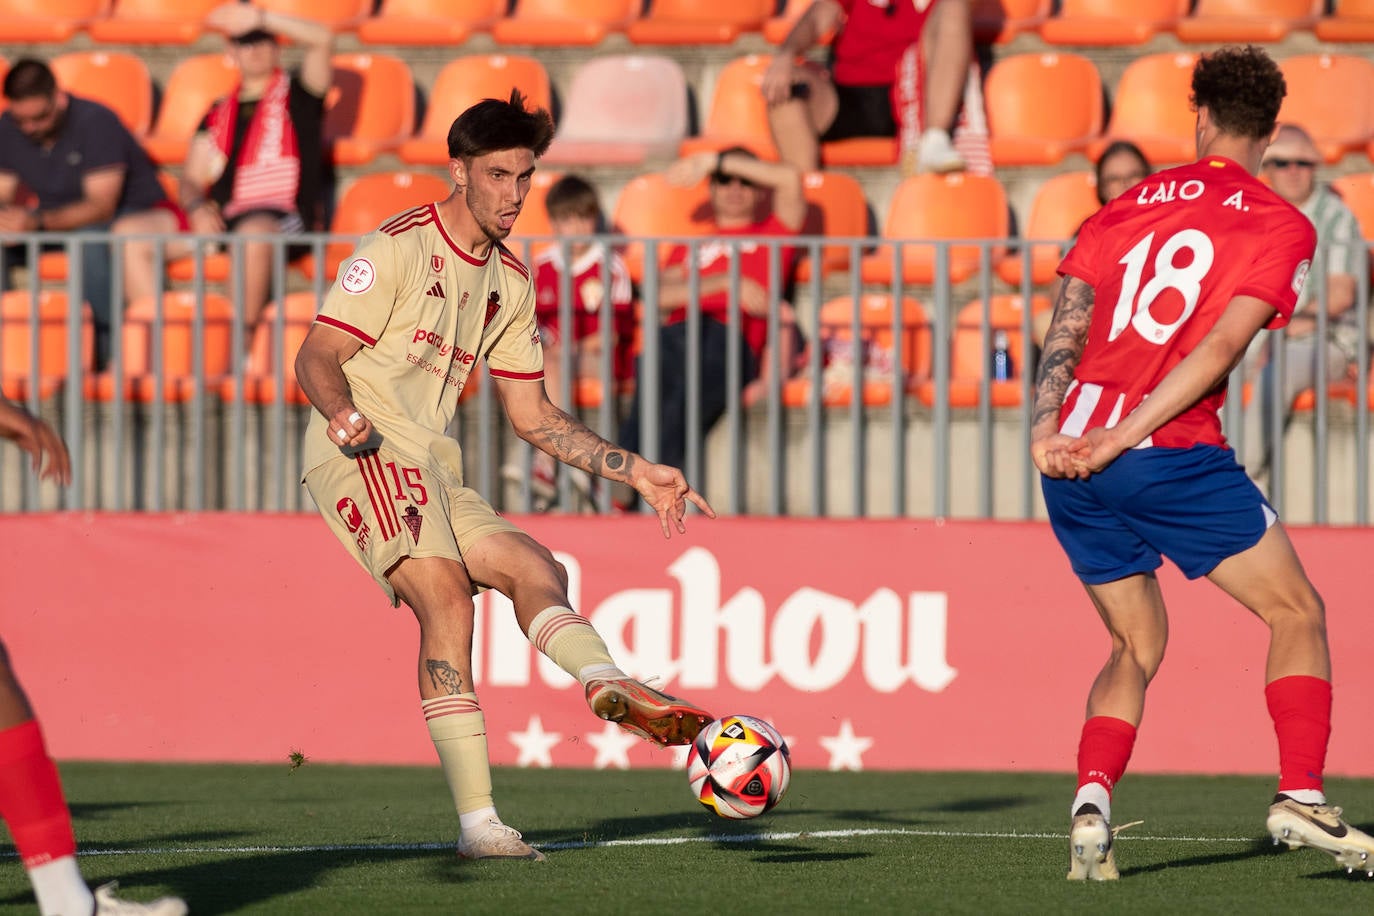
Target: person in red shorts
point(739, 181)
point(31, 799)
point(897, 68)
point(1164, 289)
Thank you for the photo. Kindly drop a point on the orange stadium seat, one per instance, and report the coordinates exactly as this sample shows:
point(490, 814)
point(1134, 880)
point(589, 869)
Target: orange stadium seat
point(429, 22)
point(648, 206)
point(1332, 97)
point(775, 28)
point(999, 21)
point(195, 84)
point(369, 109)
point(1026, 129)
point(260, 373)
point(621, 110)
point(20, 320)
point(1112, 22)
point(177, 342)
point(1357, 190)
point(1061, 204)
point(465, 81)
point(1152, 109)
point(1352, 20)
point(738, 115)
point(368, 202)
point(49, 21)
point(941, 208)
point(152, 22)
point(971, 355)
point(836, 206)
point(339, 15)
point(835, 335)
point(1233, 21)
point(116, 79)
point(698, 22)
point(564, 22)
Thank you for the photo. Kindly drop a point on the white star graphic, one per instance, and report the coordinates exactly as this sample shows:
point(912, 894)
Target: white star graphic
point(846, 749)
point(535, 744)
point(612, 745)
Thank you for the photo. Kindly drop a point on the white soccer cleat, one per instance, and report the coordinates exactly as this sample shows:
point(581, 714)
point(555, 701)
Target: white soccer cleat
point(1090, 847)
point(107, 904)
point(495, 840)
point(1321, 827)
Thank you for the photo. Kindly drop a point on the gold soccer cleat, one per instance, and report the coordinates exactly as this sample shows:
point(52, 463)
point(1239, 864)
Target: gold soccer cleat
point(1321, 827)
point(1090, 847)
point(646, 712)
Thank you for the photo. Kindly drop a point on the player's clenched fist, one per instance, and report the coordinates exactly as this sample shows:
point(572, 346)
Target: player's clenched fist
point(348, 427)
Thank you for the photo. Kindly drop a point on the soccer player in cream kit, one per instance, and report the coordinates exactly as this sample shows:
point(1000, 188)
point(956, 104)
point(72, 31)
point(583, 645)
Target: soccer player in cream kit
point(426, 295)
point(1165, 288)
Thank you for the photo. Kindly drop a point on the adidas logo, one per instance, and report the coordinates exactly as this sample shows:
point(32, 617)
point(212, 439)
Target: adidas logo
point(437, 290)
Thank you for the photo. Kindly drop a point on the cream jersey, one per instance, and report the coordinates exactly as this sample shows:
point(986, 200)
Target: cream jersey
point(425, 311)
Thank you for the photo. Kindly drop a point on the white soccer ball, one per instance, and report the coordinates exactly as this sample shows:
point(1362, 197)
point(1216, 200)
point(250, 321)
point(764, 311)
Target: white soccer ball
point(739, 766)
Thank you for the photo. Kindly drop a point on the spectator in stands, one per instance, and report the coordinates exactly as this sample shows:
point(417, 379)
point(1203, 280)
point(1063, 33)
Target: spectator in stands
point(67, 164)
point(31, 799)
point(254, 167)
point(898, 68)
point(739, 185)
point(1121, 166)
point(575, 212)
point(1290, 167)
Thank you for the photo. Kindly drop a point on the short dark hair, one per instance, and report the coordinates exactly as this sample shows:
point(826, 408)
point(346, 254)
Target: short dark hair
point(493, 125)
point(1119, 148)
point(572, 195)
point(30, 78)
point(1243, 89)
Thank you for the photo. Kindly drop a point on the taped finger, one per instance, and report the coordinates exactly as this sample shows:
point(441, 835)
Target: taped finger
point(343, 436)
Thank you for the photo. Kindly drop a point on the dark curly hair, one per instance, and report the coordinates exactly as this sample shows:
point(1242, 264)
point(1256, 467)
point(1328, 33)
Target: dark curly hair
point(1242, 88)
point(493, 125)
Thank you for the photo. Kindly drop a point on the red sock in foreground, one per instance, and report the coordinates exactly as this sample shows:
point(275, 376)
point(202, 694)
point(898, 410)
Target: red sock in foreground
point(1301, 709)
point(1104, 748)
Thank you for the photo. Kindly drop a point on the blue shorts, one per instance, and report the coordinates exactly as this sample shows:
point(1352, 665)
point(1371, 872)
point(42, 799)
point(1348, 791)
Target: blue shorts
point(1195, 506)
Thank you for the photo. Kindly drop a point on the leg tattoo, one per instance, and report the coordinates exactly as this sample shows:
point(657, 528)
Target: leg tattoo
point(444, 675)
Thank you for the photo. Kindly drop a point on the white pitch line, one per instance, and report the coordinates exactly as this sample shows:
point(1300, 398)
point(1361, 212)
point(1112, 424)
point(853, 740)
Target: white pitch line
point(645, 841)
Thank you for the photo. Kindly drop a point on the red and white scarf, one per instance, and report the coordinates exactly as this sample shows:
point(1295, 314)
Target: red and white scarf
point(268, 171)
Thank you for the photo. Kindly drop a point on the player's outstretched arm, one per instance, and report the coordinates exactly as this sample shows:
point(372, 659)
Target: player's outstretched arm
point(49, 453)
point(1064, 341)
point(550, 429)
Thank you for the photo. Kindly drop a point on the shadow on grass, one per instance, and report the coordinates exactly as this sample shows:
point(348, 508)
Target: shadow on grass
point(1257, 849)
point(976, 804)
point(229, 885)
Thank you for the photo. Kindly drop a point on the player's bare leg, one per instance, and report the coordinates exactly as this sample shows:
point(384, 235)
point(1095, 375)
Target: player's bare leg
point(1133, 611)
point(947, 46)
point(1269, 580)
point(439, 592)
point(524, 571)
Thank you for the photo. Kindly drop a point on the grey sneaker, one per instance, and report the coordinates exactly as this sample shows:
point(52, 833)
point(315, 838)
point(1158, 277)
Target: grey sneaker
point(1321, 827)
point(107, 904)
point(937, 153)
point(495, 840)
point(1090, 847)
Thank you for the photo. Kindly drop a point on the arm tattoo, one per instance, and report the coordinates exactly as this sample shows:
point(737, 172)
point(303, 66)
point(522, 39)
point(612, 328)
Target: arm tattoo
point(1073, 314)
point(444, 676)
point(573, 443)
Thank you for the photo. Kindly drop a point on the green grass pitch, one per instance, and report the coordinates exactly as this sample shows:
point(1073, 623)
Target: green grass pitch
point(321, 839)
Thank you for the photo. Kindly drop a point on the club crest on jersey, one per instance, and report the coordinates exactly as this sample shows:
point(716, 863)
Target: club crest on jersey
point(437, 263)
point(413, 519)
point(1300, 277)
point(350, 513)
point(493, 306)
point(359, 277)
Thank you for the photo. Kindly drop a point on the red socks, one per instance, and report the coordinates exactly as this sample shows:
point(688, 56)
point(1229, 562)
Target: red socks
point(1300, 706)
point(1104, 747)
point(31, 800)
